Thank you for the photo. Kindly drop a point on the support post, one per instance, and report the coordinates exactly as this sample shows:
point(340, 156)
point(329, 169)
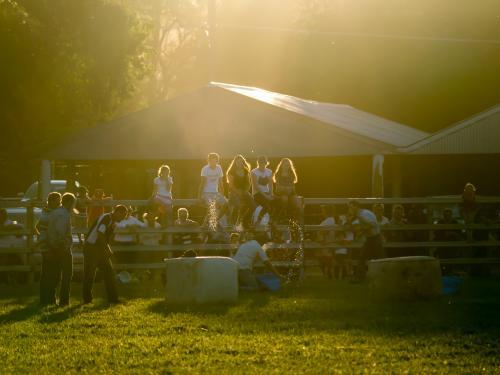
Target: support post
point(378, 176)
point(44, 182)
point(71, 177)
point(396, 180)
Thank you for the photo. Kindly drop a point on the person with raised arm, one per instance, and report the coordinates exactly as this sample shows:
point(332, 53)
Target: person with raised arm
point(240, 199)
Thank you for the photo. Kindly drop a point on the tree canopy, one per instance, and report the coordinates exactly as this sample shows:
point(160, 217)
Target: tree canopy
point(64, 65)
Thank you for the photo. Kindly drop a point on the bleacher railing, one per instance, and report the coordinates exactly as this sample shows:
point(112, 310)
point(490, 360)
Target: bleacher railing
point(27, 249)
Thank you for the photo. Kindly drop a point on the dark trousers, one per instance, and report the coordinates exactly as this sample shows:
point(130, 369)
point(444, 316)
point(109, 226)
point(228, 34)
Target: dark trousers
point(268, 205)
point(373, 248)
point(57, 268)
point(95, 257)
point(340, 266)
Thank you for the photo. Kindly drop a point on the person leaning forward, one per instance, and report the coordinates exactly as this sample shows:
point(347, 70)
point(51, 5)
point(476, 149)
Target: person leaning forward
point(373, 247)
point(97, 254)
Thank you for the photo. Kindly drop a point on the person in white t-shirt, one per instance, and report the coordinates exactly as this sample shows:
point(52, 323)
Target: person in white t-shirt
point(211, 185)
point(248, 253)
point(262, 187)
point(129, 224)
point(162, 193)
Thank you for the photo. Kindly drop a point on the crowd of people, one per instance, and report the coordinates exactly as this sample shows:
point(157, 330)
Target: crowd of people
point(256, 198)
point(273, 193)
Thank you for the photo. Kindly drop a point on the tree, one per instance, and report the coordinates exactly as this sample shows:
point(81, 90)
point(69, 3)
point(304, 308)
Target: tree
point(177, 45)
point(64, 65)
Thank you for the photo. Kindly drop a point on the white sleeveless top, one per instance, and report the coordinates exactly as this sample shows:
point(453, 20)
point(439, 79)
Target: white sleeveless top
point(161, 189)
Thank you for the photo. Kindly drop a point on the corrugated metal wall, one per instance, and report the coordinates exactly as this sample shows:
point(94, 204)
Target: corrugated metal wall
point(478, 138)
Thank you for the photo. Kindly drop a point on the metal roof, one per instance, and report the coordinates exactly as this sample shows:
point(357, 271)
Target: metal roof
point(231, 119)
point(479, 134)
point(341, 116)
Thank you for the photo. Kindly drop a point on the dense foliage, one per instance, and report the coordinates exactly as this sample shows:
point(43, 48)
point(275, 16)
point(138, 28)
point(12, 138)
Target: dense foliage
point(64, 65)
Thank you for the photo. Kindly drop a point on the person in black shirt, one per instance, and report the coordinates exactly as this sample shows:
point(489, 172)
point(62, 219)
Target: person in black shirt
point(241, 201)
point(97, 254)
point(284, 179)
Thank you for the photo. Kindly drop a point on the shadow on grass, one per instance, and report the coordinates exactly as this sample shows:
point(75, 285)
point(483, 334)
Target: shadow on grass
point(58, 315)
point(251, 299)
point(165, 309)
point(20, 314)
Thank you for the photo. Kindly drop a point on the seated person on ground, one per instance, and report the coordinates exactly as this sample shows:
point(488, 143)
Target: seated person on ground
point(248, 253)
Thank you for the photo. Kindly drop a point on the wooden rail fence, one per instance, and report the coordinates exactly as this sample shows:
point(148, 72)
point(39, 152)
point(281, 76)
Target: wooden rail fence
point(27, 248)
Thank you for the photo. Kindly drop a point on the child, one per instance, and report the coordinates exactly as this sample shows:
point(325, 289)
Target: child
point(162, 194)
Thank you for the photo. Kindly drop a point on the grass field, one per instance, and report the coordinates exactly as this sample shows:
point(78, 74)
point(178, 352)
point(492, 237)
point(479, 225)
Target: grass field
point(317, 326)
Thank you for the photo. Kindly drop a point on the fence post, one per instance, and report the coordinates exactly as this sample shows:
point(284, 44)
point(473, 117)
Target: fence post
point(30, 225)
point(430, 233)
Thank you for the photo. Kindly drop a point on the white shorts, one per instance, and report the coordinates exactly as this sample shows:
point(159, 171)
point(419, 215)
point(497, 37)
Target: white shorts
point(163, 200)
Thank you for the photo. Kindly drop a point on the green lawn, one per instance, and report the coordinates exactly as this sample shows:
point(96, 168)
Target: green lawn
point(317, 326)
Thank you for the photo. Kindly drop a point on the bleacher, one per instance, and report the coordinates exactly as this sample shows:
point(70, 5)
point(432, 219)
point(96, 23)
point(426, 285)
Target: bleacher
point(26, 249)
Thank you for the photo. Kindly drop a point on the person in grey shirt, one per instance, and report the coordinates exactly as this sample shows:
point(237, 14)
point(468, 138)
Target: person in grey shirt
point(59, 240)
point(46, 275)
point(373, 248)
